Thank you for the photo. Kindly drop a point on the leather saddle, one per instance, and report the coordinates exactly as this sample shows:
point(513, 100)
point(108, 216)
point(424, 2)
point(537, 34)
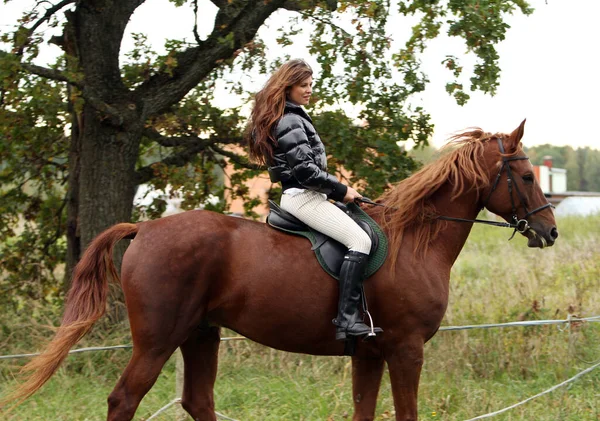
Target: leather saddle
point(330, 252)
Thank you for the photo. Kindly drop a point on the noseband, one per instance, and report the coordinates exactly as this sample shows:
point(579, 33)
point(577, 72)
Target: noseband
point(520, 225)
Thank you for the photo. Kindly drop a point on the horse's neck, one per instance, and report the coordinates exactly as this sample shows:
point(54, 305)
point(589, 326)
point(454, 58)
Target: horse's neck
point(453, 236)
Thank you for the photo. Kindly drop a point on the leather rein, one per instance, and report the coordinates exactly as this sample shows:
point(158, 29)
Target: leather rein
point(520, 225)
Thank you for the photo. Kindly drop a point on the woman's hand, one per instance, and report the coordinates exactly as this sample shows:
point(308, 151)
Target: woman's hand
point(351, 195)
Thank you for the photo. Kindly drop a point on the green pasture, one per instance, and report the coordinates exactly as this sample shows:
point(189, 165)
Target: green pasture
point(466, 373)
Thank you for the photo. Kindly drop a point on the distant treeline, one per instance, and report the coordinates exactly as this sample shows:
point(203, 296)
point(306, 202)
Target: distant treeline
point(582, 164)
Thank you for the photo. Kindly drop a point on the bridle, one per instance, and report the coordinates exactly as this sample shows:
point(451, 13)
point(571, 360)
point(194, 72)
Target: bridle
point(520, 225)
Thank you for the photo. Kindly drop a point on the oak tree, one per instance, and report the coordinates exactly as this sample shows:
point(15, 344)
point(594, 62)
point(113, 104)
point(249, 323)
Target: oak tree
point(79, 135)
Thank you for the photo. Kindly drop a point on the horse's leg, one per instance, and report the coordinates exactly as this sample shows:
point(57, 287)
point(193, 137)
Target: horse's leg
point(366, 379)
point(405, 360)
point(137, 379)
point(200, 353)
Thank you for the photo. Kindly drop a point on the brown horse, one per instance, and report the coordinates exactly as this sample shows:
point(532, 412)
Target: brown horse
point(185, 275)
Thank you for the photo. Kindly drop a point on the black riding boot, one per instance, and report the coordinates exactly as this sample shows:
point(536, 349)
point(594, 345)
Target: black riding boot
point(348, 320)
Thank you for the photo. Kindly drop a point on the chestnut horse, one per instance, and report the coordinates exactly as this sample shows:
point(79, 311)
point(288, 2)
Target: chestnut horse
point(186, 275)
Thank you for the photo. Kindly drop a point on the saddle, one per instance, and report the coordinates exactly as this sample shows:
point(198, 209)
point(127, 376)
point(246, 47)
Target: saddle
point(329, 252)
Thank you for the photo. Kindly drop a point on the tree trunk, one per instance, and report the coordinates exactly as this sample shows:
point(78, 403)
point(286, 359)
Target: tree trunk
point(107, 171)
point(73, 234)
point(67, 42)
point(109, 144)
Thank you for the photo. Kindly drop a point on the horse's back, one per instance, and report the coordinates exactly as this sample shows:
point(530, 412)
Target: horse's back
point(235, 273)
point(181, 242)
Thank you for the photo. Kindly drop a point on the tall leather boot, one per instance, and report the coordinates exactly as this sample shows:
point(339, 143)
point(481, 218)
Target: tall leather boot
point(348, 320)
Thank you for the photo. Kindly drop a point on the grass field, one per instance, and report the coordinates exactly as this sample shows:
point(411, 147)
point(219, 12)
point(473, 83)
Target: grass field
point(466, 373)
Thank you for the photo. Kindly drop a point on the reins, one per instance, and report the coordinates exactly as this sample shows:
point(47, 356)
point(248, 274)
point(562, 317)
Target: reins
point(514, 226)
point(520, 225)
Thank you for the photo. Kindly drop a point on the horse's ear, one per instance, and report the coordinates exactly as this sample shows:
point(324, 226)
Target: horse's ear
point(515, 136)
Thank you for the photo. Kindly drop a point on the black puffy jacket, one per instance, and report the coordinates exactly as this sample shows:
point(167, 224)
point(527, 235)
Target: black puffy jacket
point(299, 158)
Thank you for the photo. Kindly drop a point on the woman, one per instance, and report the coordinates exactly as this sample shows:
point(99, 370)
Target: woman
point(284, 139)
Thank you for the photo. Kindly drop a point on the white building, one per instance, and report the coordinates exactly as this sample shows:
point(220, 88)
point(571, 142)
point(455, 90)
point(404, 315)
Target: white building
point(552, 180)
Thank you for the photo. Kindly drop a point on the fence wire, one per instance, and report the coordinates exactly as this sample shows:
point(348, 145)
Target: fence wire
point(552, 389)
point(570, 320)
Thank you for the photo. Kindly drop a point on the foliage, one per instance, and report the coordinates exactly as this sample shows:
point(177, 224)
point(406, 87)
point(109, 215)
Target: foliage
point(33, 174)
point(425, 154)
point(162, 108)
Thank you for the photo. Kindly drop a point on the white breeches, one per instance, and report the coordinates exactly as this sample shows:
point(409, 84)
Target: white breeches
point(317, 212)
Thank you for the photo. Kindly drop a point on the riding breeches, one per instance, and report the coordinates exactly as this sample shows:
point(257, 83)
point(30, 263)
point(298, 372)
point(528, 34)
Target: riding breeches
point(317, 212)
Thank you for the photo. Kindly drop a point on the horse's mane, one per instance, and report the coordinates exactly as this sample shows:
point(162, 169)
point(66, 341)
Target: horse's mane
point(408, 203)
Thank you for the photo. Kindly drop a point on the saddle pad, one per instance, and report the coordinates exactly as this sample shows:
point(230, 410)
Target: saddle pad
point(335, 251)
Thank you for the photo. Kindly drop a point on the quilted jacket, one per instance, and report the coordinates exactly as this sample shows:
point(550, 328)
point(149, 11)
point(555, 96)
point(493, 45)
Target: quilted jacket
point(299, 156)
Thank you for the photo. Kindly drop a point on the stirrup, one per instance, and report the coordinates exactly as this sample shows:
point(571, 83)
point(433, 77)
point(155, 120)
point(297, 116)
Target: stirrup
point(342, 332)
point(365, 307)
point(372, 333)
point(342, 335)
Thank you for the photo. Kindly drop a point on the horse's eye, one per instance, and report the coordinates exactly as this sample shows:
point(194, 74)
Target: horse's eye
point(528, 178)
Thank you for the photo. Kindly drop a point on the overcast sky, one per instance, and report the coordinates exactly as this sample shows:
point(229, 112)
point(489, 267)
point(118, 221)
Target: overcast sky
point(550, 68)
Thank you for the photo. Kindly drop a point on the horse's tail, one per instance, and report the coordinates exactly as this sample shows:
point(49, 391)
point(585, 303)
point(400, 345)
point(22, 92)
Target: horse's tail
point(86, 303)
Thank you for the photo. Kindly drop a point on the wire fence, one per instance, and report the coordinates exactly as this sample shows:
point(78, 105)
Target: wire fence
point(568, 322)
point(99, 348)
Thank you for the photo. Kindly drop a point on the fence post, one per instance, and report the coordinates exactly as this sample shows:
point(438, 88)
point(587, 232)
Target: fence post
point(180, 414)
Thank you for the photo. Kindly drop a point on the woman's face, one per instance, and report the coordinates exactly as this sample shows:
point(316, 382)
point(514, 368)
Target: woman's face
point(301, 92)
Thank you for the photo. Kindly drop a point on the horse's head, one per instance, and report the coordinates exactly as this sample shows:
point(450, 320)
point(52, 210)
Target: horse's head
point(514, 193)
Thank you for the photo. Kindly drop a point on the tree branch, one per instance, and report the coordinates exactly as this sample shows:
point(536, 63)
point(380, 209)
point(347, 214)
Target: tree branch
point(58, 232)
point(49, 12)
point(111, 112)
point(236, 158)
point(88, 94)
point(169, 141)
point(62, 167)
point(179, 159)
point(219, 3)
point(295, 5)
point(298, 5)
point(50, 74)
point(327, 22)
point(194, 64)
point(198, 40)
point(236, 24)
point(193, 146)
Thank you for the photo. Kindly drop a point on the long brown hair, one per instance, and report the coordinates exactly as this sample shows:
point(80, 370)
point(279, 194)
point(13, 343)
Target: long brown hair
point(269, 105)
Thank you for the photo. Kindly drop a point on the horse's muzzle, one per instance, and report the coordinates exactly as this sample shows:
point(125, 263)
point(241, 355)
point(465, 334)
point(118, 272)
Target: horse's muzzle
point(541, 237)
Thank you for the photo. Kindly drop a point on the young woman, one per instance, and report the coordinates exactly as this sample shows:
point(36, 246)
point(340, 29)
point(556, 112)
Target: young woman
point(283, 138)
